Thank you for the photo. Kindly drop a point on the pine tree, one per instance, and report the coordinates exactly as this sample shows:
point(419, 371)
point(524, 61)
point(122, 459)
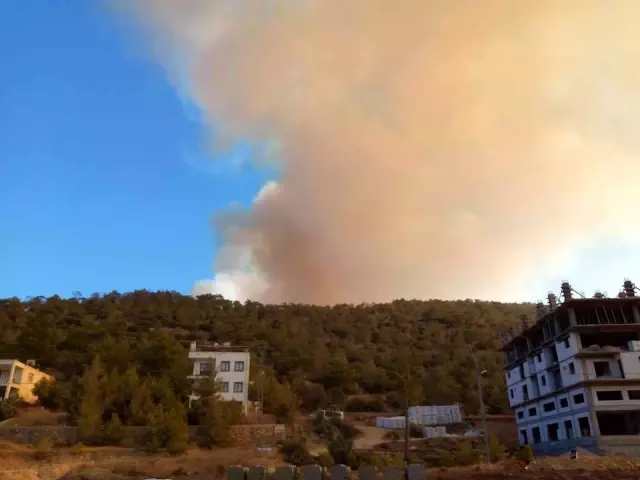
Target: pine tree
point(113, 431)
point(92, 402)
point(141, 406)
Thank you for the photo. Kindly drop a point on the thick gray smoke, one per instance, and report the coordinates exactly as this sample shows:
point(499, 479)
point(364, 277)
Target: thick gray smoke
point(433, 148)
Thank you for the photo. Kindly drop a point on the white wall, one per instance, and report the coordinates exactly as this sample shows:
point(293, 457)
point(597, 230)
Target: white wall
point(229, 378)
point(565, 352)
point(630, 364)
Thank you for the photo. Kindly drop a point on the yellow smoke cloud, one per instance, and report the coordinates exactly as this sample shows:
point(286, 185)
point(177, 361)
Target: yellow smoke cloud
point(433, 148)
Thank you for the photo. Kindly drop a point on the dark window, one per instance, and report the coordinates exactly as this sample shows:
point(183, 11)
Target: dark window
point(520, 415)
point(634, 394)
point(552, 432)
point(535, 431)
point(585, 428)
point(602, 369)
point(578, 398)
point(511, 392)
point(508, 374)
point(533, 412)
point(609, 395)
point(524, 437)
point(549, 407)
point(572, 368)
point(543, 380)
point(566, 343)
point(224, 386)
point(238, 367)
point(564, 403)
point(525, 392)
point(568, 427)
point(238, 387)
point(539, 358)
point(225, 366)
point(522, 371)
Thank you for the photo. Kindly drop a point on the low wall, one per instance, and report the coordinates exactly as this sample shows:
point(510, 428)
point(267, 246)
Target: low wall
point(563, 447)
point(241, 435)
point(620, 444)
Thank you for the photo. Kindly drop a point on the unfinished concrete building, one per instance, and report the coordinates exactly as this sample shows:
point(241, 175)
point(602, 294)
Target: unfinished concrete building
point(573, 376)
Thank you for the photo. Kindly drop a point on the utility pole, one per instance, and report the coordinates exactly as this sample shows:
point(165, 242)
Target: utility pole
point(406, 418)
point(479, 374)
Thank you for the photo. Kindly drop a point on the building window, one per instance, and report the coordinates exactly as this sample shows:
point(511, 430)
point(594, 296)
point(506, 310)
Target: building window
point(539, 358)
point(224, 387)
point(238, 367)
point(583, 425)
point(533, 412)
point(238, 387)
point(578, 398)
point(609, 395)
point(520, 415)
point(552, 432)
point(634, 394)
point(511, 392)
point(205, 368)
point(525, 393)
point(564, 403)
point(602, 369)
point(568, 428)
point(543, 380)
point(524, 437)
point(225, 366)
point(549, 407)
point(508, 374)
point(572, 368)
point(566, 343)
point(522, 376)
point(535, 432)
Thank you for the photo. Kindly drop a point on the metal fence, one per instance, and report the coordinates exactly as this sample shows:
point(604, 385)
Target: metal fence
point(336, 472)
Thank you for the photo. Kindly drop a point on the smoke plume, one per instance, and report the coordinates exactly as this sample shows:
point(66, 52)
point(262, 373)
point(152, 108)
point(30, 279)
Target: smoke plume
point(431, 148)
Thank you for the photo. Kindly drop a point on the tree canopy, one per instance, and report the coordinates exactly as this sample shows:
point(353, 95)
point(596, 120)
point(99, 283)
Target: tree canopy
point(321, 355)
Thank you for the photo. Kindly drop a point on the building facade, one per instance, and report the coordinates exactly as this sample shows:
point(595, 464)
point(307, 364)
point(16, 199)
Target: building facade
point(573, 378)
point(18, 379)
point(231, 366)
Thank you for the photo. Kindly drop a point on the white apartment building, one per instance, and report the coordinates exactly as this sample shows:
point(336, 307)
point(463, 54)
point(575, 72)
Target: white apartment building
point(573, 378)
point(231, 366)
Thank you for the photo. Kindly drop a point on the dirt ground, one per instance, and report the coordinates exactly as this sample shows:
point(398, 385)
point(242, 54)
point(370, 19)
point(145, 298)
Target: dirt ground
point(18, 462)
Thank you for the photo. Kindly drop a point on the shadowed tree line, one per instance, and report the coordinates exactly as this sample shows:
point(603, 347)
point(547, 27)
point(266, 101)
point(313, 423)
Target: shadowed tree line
point(352, 356)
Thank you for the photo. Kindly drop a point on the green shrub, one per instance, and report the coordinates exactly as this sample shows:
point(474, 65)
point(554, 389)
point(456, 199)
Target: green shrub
point(466, 455)
point(113, 431)
point(296, 453)
point(526, 454)
point(365, 403)
point(447, 459)
point(325, 459)
point(8, 408)
point(496, 449)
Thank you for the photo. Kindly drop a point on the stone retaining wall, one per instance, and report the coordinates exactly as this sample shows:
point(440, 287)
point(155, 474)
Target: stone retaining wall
point(242, 435)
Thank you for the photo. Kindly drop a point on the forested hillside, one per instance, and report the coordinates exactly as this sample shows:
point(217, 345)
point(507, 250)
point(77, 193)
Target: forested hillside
point(325, 354)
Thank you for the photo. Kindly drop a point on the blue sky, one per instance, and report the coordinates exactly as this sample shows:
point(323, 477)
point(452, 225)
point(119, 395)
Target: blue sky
point(103, 185)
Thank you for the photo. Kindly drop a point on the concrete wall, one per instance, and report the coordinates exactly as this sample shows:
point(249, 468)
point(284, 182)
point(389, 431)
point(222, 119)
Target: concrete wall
point(241, 435)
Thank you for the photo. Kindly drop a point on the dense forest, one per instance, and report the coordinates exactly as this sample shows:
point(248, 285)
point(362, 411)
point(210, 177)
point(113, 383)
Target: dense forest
point(352, 356)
